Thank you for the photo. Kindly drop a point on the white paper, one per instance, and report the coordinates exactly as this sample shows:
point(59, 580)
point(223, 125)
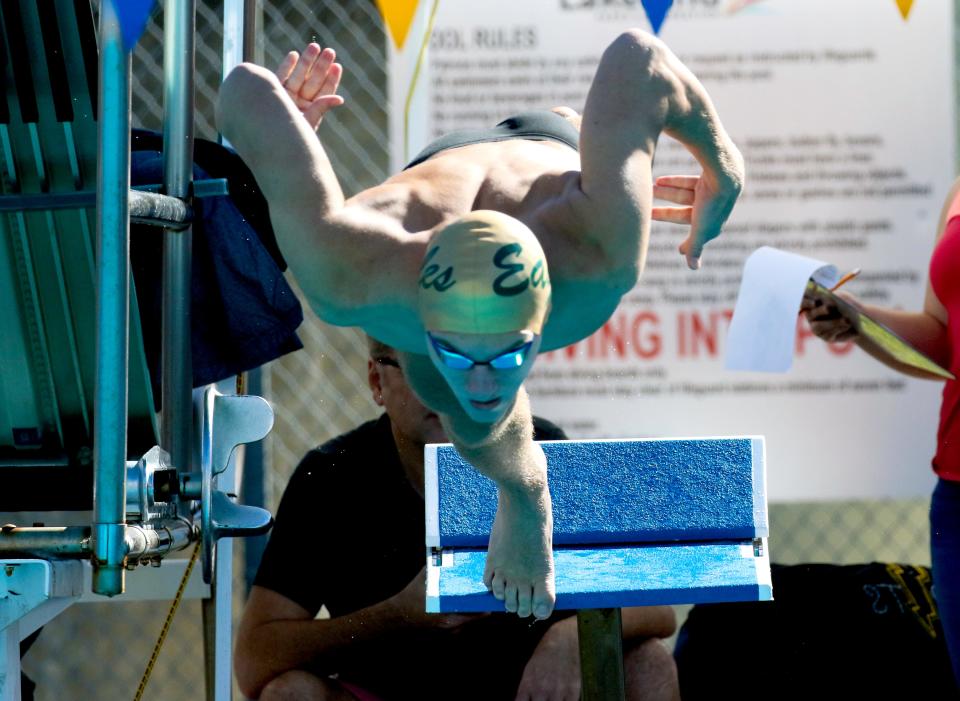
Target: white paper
point(763, 331)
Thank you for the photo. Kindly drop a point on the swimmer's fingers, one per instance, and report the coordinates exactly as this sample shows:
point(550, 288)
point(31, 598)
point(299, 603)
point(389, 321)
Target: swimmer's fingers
point(286, 67)
point(324, 76)
point(676, 195)
point(673, 215)
point(678, 189)
point(312, 79)
point(318, 108)
point(677, 182)
point(331, 83)
point(714, 197)
point(301, 70)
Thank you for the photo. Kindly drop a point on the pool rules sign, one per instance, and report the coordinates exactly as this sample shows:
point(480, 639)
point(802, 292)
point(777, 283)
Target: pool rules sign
point(845, 115)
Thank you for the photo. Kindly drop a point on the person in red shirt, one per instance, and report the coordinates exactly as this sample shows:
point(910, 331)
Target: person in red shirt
point(935, 331)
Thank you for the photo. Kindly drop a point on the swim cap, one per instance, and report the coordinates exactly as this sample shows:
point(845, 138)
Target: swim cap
point(484, 273)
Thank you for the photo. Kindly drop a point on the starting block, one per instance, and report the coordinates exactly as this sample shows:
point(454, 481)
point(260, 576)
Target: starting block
point(636, 523)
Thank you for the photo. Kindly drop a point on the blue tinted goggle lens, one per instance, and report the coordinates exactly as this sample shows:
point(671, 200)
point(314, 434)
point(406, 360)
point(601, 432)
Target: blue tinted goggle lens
point(511, 360)
point(453, 360)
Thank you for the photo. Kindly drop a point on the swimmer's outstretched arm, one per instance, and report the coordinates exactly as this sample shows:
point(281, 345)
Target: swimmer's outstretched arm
point(519, 566)
point(355, 266)
point(640, 90)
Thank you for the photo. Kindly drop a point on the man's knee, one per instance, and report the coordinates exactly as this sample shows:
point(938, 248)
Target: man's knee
point(297, 685)
point(650, 672)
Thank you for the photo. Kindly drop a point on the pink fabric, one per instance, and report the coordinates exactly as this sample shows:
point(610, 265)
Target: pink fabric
point(360, 693)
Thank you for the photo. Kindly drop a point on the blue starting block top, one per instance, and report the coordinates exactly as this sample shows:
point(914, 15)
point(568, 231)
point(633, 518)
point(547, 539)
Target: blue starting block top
point(636, 522)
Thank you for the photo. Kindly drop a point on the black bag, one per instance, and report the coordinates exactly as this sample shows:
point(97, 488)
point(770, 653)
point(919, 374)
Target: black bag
point(832, 632)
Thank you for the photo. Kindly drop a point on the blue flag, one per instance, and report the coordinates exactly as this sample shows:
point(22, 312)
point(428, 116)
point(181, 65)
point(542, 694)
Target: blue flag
point(133, 16)
point(656, 12)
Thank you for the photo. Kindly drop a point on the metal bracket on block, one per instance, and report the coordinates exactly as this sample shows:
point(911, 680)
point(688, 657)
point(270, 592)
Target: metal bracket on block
point(228, 421)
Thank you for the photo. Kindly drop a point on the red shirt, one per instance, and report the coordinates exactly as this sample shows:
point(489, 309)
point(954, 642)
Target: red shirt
point(945, 280)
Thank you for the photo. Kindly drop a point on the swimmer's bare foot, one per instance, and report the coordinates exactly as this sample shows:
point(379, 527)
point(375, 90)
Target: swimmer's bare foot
point(519, 569)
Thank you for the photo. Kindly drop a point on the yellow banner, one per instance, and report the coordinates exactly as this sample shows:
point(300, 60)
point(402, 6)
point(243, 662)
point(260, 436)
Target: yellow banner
point(905, 7)
point(398, 16)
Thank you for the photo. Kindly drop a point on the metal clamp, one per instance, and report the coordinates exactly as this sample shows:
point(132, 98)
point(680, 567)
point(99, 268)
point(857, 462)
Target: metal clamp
point(228, 421)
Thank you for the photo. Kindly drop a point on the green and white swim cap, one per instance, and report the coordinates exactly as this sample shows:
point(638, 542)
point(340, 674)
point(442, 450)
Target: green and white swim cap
point(484, 273)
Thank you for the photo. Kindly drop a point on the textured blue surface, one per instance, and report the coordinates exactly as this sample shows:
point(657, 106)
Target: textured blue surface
point(622, 492)
point(613, 576)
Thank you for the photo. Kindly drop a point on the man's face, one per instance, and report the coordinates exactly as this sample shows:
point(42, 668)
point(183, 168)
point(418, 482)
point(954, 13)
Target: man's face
point(484, 371)
point(411, 420)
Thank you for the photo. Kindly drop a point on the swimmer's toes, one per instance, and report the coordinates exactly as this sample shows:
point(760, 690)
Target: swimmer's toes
point(524, 601)
point(498, 586)
point(510, 598)
point(544, 599)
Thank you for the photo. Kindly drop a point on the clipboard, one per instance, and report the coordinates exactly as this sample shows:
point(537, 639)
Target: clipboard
point(883, 337)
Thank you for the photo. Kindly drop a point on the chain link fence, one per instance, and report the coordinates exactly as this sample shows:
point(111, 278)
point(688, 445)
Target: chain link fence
point(322, 391)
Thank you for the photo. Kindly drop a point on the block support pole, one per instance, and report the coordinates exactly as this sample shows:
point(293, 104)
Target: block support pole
point(601, 654)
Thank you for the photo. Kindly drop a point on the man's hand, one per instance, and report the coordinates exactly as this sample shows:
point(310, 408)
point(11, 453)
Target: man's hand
point(409, 605)
point(311, 79)
point(829, 320)
point(553, 671)
point(706, 204)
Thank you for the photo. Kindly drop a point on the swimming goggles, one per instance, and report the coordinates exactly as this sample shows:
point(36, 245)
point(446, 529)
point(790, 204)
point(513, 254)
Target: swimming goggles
point(510, 360)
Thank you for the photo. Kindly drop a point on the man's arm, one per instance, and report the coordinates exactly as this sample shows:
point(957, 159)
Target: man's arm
point(355, 265)
point(640, 90)
point(277, 635)
point(834, 322)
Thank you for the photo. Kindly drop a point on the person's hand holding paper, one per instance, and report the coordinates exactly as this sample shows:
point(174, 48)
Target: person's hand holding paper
point(833, 317)
point(775, 285)
point(764, 325)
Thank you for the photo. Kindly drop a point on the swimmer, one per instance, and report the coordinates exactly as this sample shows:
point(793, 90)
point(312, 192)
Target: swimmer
point(491, 247)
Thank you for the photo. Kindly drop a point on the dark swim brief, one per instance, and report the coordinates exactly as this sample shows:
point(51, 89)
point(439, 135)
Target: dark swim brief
point(539, 125)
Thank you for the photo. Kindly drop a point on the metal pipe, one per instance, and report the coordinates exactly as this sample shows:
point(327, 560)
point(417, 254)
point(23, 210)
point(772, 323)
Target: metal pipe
point(234, 39)
point(252, 36)
point(113, 285)
point(61, 541)
point(158, 539)
point(177, 383)
point(242, 39)
point(140, 541)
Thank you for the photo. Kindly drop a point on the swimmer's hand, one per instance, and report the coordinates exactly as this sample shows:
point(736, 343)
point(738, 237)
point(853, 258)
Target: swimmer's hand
point(311, 80)
point(706, 203)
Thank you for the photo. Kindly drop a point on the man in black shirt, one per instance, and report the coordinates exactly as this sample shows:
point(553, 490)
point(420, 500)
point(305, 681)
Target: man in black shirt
point(349, 535)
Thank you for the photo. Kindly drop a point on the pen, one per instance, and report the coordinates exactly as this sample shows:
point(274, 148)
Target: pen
point(845, 279)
